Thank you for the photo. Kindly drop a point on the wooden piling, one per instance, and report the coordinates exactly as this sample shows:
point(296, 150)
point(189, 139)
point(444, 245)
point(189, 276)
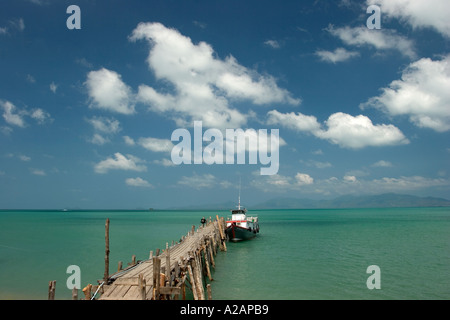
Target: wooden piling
point(51, 290)
point(142, 287)
point(106, 274)
point(156, 279)
point(87, 292)
point(74, 293)
point(208, 289)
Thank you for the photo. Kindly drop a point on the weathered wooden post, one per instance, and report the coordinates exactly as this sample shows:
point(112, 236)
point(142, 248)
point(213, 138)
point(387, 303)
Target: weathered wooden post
point(168, 264)
point(74, 293)
point(51, 290)
point(106, 274)
point(87, 292)
point(142, 287)
point(156, 277)
point(208, 288)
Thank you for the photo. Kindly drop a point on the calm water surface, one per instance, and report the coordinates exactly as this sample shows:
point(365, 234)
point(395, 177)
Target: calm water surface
point(299, 254)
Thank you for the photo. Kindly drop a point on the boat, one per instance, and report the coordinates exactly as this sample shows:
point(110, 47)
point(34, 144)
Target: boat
point(240, 226)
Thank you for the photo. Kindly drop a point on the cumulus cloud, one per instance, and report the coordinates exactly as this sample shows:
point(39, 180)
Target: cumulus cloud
point(203, 84)
point(103, 129)
point(11, 114)
point(418, 13)
point(16, 117)
point(422, 94)
point(342, 129)
point(359, 132)
point(338, 55)
point(156, 145)
point(40, 116)
point(303, 179)
point(120, 162)
point(383, 39)
point(107, 91)
point(129, 141)
point(138, 182)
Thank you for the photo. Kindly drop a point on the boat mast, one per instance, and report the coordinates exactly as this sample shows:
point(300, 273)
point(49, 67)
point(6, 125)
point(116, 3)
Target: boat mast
point(239, 198)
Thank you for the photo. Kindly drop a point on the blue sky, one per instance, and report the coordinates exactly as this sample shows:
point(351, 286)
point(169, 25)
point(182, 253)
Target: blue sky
point(87, 114)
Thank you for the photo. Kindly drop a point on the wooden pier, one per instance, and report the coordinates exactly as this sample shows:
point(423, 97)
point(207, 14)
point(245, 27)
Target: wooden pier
point(166, 275)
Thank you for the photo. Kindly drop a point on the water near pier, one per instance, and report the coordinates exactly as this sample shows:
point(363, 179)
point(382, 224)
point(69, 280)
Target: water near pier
point(299, 254)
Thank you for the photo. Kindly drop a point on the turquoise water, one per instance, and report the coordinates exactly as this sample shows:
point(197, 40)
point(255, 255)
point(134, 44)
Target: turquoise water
point(299, 254)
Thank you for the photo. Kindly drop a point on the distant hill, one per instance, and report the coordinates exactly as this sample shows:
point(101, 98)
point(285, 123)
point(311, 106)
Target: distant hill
point(386, 200)
point(368, 201)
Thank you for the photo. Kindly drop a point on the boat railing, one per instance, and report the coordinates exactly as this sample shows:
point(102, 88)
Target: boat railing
point(248, 219)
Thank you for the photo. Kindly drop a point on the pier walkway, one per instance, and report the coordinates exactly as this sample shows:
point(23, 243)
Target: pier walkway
point(168, 274)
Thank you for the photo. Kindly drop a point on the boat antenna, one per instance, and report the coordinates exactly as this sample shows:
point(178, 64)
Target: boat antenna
point(239, 198)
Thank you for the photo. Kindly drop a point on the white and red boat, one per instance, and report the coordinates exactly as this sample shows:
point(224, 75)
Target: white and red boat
point(239, 226)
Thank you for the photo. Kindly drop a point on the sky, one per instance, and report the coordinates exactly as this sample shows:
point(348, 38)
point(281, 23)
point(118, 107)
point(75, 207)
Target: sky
point(90, 99)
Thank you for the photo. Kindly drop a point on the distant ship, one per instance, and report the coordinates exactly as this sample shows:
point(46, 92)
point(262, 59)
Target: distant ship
point(239, 226)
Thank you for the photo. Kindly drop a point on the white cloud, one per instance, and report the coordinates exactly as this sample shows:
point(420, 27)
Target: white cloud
point(109, 92)
point(38, 172)
point(303, 179)
point(198, 182)
point(99, 139)
point(349, 184)
point(383, 39)
point(164, 162)
point(40, 116)
point(422, 93)
point(14, 25)
point(294, 121)
point(272, 43)
point(279, 182)
point(358, 132)
point(203, 84)
point(418, 13)
point(24, 158)
point(30, 78)
point(53, 87)
point(129, 141)
point(350, 179)
point(382, 164)
point(105, 125)
point(339, 55)
point(120, 162)
point(156, 145)
point(10, 115)
point(342, 129)
point(138, 182)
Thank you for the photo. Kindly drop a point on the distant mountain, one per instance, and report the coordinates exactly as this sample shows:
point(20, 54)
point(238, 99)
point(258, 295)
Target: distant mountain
point(367, 201)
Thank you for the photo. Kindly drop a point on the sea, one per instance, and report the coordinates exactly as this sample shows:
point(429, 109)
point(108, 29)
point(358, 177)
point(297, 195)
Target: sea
point(318, 254)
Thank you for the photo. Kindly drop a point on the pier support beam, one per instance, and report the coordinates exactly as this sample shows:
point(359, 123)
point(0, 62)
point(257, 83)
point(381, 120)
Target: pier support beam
point(106, 274)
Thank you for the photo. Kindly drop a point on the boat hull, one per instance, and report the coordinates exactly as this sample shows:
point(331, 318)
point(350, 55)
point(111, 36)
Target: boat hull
point(236, 233)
